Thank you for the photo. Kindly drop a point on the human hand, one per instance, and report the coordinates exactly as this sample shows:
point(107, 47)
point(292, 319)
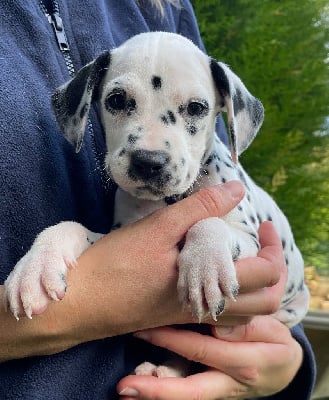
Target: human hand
point(113, 272)
point(262, 278)
point(244, 361)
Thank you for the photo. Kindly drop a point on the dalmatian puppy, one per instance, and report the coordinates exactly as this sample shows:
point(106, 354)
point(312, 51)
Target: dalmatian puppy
point(158, 97)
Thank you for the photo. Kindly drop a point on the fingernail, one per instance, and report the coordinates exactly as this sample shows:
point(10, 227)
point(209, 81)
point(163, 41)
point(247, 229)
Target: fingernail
point(234, 188)
point(129, 392)
point(223, 330)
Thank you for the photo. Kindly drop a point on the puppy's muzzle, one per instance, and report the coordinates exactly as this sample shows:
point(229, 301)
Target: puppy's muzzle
point(150, 167)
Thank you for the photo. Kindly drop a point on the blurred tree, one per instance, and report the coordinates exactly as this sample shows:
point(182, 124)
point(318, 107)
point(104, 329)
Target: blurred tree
point(280, 50)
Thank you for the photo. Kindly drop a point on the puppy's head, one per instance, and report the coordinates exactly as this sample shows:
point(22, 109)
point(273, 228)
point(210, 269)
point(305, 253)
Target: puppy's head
point(159, 96)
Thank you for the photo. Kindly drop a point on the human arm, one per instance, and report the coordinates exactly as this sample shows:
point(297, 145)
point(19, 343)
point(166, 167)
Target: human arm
point(111, 269)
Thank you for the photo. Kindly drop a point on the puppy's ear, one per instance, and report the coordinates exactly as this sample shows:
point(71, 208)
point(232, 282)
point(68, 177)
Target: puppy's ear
point(245, 113)
point(71, 102)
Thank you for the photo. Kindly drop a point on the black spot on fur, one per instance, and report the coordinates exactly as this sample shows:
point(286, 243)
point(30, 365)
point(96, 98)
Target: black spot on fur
point(183, 161)
point(252, 219)
point(168, 118)
point(238, 102)
point(229, 165)
point(167, 145)
point(172, 117)
point(259, 218)
point(210, 159)
point(164, 119)
point(131, 106)
point(283, 243)
point(132, 139)
point(191, 129)
point(156, 82)
point(290, 289)
point(253, 235)
point(269, 218)
point(122, 153)
point(287, 261)
point(223, 180)
point(90, 241)
point(181, 109)
point(236, 252)
point(217, 168)
point(243, 178)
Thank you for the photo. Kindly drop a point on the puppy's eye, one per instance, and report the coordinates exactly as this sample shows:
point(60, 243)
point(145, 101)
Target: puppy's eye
point(196, 109)
point(116, 100)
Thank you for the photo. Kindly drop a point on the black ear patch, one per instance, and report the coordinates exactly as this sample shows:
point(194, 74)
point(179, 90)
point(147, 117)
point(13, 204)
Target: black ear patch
point(220, 78)
point(245, 113)
point(71, 102)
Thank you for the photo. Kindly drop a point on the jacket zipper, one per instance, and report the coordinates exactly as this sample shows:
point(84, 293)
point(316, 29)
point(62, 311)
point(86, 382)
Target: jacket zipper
point(51, 10)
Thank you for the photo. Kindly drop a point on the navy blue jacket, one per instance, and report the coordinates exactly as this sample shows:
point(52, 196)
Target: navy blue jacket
point(43, 181)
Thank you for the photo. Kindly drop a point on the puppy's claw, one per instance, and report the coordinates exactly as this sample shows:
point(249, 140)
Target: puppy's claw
point(234, 291)
point(28, 312)
point(218, 311)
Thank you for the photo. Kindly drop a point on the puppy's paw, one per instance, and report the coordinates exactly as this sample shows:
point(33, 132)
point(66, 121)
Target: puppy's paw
point(37, 279)
point(160, 371)
point(40, 276)
point(206, 271)
point(146, 369)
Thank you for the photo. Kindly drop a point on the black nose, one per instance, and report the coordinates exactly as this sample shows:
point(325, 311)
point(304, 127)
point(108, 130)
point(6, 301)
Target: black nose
point(148, 165)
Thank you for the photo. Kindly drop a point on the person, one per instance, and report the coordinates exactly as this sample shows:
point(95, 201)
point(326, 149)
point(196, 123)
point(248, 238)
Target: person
point(81, 348)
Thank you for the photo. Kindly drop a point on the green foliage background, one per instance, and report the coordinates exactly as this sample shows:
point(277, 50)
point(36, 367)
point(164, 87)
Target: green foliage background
point(280, 49)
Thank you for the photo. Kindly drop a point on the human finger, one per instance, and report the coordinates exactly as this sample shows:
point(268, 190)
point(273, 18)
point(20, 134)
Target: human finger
point(260, 329)
point(262, 278)
point(265, 269)
point(208, 385)
point(215, 201)
point(197, 347)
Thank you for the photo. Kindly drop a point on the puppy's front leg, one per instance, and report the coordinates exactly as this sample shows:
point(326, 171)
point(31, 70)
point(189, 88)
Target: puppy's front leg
point(206, 270)
point(40, 276)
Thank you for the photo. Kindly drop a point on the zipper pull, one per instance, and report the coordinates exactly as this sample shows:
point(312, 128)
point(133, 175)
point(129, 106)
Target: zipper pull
point(57, 23)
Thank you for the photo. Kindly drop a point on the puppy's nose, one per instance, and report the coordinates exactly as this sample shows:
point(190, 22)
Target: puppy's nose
point(146, 165)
